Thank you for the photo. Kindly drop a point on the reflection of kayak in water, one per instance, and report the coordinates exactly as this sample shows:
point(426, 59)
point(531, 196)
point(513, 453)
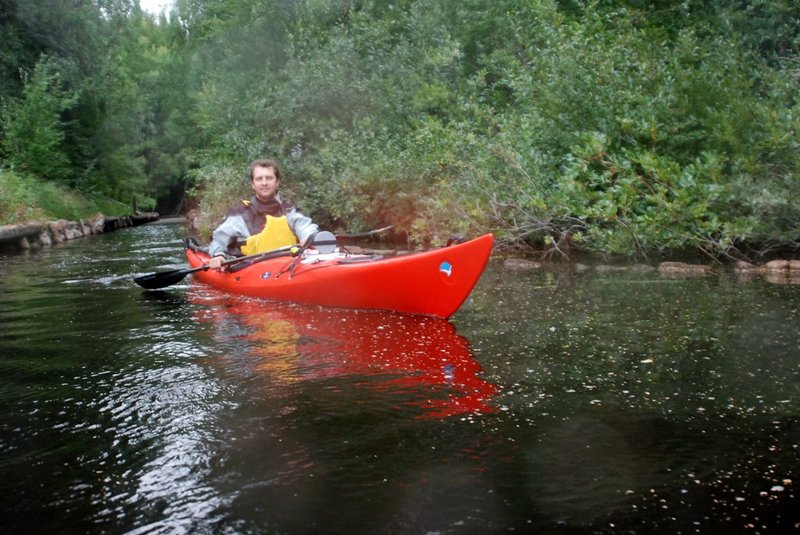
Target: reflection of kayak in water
point(435, 282)
point(420, 359)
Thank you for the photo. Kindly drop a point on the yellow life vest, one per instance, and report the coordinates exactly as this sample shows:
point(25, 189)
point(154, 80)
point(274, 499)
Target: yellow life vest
point(276, 234)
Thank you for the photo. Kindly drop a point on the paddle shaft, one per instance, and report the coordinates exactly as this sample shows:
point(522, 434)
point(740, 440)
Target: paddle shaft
point(365, 234)
point(154, 281)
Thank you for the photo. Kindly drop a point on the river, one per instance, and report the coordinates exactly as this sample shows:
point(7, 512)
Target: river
point(552, 402)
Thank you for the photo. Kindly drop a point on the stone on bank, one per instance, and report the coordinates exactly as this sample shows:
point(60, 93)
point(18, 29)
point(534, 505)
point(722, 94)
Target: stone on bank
point(32, 234)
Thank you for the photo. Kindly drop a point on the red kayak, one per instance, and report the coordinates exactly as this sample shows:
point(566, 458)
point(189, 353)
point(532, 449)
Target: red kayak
point(433, 283)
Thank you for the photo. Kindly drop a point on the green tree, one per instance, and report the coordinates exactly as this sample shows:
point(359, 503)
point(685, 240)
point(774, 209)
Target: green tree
point(34, 130)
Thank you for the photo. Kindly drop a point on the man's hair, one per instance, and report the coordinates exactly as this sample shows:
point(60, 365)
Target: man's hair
point(264, 163)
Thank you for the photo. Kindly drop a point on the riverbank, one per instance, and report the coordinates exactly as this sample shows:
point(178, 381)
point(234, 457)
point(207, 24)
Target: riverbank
point(29, 235)
point(780, 271)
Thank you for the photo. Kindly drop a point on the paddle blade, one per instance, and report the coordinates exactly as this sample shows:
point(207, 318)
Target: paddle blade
point(154, 281)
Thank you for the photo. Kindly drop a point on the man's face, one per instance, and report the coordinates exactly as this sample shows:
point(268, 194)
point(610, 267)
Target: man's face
point(265, 183)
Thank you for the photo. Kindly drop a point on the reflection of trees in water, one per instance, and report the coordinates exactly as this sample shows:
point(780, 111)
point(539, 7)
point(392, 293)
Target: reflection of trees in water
point(713, 345)
point(642, 401)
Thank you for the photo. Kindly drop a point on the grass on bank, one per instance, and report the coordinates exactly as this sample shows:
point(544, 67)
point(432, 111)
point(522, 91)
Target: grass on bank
point(24, 198)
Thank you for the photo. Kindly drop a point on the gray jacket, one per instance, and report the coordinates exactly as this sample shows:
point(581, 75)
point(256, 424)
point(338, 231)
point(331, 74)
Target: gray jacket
point(234, 229)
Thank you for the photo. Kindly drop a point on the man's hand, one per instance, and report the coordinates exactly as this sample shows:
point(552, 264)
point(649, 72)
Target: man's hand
point(216, 262)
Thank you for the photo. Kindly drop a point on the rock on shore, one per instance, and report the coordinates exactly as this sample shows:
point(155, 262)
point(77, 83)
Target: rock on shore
point(32, 234)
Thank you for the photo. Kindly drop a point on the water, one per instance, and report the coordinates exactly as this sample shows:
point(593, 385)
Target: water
point(556, 403)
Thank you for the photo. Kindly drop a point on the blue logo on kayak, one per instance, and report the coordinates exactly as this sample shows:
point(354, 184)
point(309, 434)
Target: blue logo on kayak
point(446, 268)
point(266, 275)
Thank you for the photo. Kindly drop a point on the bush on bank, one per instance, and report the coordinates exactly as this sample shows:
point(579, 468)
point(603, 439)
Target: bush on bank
point(602, 126)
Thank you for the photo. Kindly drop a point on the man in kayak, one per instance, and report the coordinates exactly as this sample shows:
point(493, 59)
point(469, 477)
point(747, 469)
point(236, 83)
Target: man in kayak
point(261, 224)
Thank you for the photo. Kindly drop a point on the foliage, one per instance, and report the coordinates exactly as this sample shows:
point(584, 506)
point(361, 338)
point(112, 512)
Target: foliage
point(218, 185)
point(33, 125)
point(18, 198)
point(104, 107)
point(615, 126)
point(26, 198)
point(611, 127)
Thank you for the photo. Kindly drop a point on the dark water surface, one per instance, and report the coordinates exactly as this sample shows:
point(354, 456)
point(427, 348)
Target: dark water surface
point(618, 403)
